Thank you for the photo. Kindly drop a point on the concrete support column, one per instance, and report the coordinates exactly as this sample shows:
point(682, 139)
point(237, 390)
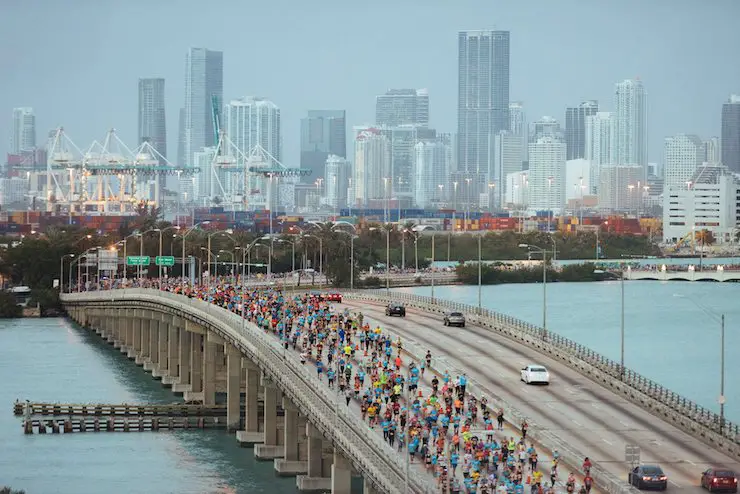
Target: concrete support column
point(314, 479)
point(196, 362)
point(173, 350)
point(137, 322)
point(184, 350)
point(154, 341)
point(146, 330)
point(162, 346)
point(130, 323)
point(251, 434)
point(209, 372)
point(290, 464)
point(271, 400)
point(341, 474)
point(233, 386)
point(368, 487)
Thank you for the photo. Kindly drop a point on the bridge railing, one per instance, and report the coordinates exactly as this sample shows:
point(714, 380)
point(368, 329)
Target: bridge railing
point(527, 332)
point(348, 432)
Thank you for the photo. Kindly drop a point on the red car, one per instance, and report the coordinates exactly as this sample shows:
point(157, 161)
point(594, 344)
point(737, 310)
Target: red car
point(719, 479)
point(334, 297)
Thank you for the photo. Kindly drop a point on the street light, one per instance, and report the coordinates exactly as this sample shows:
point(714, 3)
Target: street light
point(228, 233)
point(184, 236)
point(540, 250)
point(321, 258)
point(387, 258)
point(352, 238)
point(141, 251)
point(161, 231)
point(433, 233)
point(61, 271)
point(222, 251)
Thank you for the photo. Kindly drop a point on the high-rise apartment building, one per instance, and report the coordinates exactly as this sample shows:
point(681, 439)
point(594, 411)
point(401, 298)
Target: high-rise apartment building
point(712, 151)
point(547, 173)
point(23, 137)
point(402, 107)
point(204, 83)
point(682, 155)
point(403, 139)
point(615, 193)
point(600, 129)
point(545, 126)
point(336, 176)
point(630, 135)
point(323, 133)
point(482, 103)
point(372, 167)
point(575, 128)
point(518, 125)
point(731, 133)
point(432, 163)
point(152, 127)
point(508, 159)
point(251, 122)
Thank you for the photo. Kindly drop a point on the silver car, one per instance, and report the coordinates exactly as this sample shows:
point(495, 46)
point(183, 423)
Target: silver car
point(454, 319)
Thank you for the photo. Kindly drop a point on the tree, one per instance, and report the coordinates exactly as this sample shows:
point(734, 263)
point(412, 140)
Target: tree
point(9, 307)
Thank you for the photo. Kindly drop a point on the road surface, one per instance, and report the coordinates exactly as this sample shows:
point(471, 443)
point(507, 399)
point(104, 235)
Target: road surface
point(592, 419)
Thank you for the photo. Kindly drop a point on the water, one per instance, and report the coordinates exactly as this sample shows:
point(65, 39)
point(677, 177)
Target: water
point(53, 360)
point(672, 329)
point(646, 261)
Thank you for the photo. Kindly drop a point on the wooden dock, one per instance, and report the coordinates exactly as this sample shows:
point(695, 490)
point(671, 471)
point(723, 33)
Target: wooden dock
point(120, 424)
point(118, 410)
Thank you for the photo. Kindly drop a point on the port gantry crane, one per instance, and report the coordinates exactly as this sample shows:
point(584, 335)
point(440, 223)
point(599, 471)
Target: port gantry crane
point(105, 173)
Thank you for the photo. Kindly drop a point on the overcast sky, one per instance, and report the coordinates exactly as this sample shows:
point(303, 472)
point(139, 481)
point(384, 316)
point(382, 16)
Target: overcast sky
point(77, 62)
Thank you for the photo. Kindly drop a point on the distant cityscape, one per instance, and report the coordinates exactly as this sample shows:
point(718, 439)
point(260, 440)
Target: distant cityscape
point(498, 163)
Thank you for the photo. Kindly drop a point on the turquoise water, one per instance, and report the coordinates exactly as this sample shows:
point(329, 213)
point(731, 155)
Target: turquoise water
point(670, 261)
point(52, 360)
point(672, 329)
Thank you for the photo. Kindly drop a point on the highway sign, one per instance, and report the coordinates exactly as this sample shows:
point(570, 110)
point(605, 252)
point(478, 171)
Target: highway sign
point(137, 260)
point(164, 261)
point(108, 260)
point(632, 454)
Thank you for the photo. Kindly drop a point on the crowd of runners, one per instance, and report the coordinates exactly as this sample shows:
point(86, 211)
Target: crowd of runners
point(458, 438)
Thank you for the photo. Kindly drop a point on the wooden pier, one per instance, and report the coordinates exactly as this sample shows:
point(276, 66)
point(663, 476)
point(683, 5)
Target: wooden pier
point(120, 424)
point(118, 410)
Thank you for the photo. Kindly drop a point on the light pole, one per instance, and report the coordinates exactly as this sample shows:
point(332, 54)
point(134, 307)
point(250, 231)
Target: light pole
point(467, 204)
point(540, 250)
point(321, 259)
point(352, 237)
point(222, 251)
point(387, 230)
point(480, 277)
point(184, 236)
point(61, 271)
point(228, 232)
point(549, 204)
point(433, 270)
point(141, 251)
point(161, 231)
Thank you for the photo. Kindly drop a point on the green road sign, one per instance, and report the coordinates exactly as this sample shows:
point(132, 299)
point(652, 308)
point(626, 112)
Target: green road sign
point(137, 260)
point(164, 261)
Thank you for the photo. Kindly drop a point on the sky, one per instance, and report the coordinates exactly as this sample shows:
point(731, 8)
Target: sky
point(77, 62)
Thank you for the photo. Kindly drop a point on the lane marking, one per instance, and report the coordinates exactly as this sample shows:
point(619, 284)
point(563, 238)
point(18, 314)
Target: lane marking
point(595, 406)
point(498, 350)
point(576, 422)
point(607, 442)
point(677, 485)
point(548, 404)
point(525, 390)
point(624, 423)
point(570, 390)
point(689, 461)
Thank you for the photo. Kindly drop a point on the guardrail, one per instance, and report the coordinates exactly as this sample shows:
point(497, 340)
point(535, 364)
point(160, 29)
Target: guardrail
point(370, 454)
point(692, 417)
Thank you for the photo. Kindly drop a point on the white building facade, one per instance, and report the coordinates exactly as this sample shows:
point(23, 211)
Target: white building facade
point(711, 203)
point(336, 174)
point(547, 173)
point(630, 136)
point(372, 166)
point(508, 158)
point(516, 189)
point(682, 155)
point(599, 145)
point(432, 162)
point(12, 190)
point(23, 136)
point(618, 189)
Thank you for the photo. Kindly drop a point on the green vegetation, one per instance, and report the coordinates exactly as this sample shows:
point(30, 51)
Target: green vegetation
point(8, 490)
point(494, 274)
point(9, 308)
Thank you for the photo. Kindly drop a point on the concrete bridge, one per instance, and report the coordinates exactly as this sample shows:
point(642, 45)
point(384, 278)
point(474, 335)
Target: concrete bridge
point(709, 273)
point(291, 418)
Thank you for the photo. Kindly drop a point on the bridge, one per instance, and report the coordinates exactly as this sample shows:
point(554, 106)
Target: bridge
point(190, 344)
point(709, 273)
point(592, 408)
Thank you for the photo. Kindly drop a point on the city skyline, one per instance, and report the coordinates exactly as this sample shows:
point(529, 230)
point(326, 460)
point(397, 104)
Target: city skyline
point(698, 112)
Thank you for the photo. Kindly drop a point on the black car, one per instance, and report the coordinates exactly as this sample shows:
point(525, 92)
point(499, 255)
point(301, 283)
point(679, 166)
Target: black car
point(395, 309)
point(648, 477)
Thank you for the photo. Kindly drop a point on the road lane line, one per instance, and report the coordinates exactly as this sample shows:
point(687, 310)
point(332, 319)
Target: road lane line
point(677, 485)
point(607, 442)
point(689, 461)
point(624, 423)
point(548, 404)
point(525, 390)
point(576, 422)
point(595, 406)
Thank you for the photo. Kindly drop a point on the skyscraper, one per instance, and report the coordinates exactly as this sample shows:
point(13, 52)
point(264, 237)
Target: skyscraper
point(508, 152)
point(683, 155)
point(547, 173)
point(152, 126)
point(23, 138)
point(432, 162)
point(630, 136)
point(600, 129)
point(372, 166)
point(336, 177)
point(323, 133)
point(204, 79)
point(518, 125)
point(545, 126)
point(252, 121)
point(402, 107)
point(731, 133)
point(483, 100)
point(575, 128)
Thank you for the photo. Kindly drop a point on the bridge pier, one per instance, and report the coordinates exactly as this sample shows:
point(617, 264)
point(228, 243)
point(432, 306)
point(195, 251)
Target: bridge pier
point(368, 487)
point(173, 354)
point(196, 367)
point(291, 464)
point(341, 474)
point(209, 367)
point(269, 450)
point(184, 350)
point(251, 434)
point(153, 346)
point(315, 479)
point(162, 361)
point(233, 386)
